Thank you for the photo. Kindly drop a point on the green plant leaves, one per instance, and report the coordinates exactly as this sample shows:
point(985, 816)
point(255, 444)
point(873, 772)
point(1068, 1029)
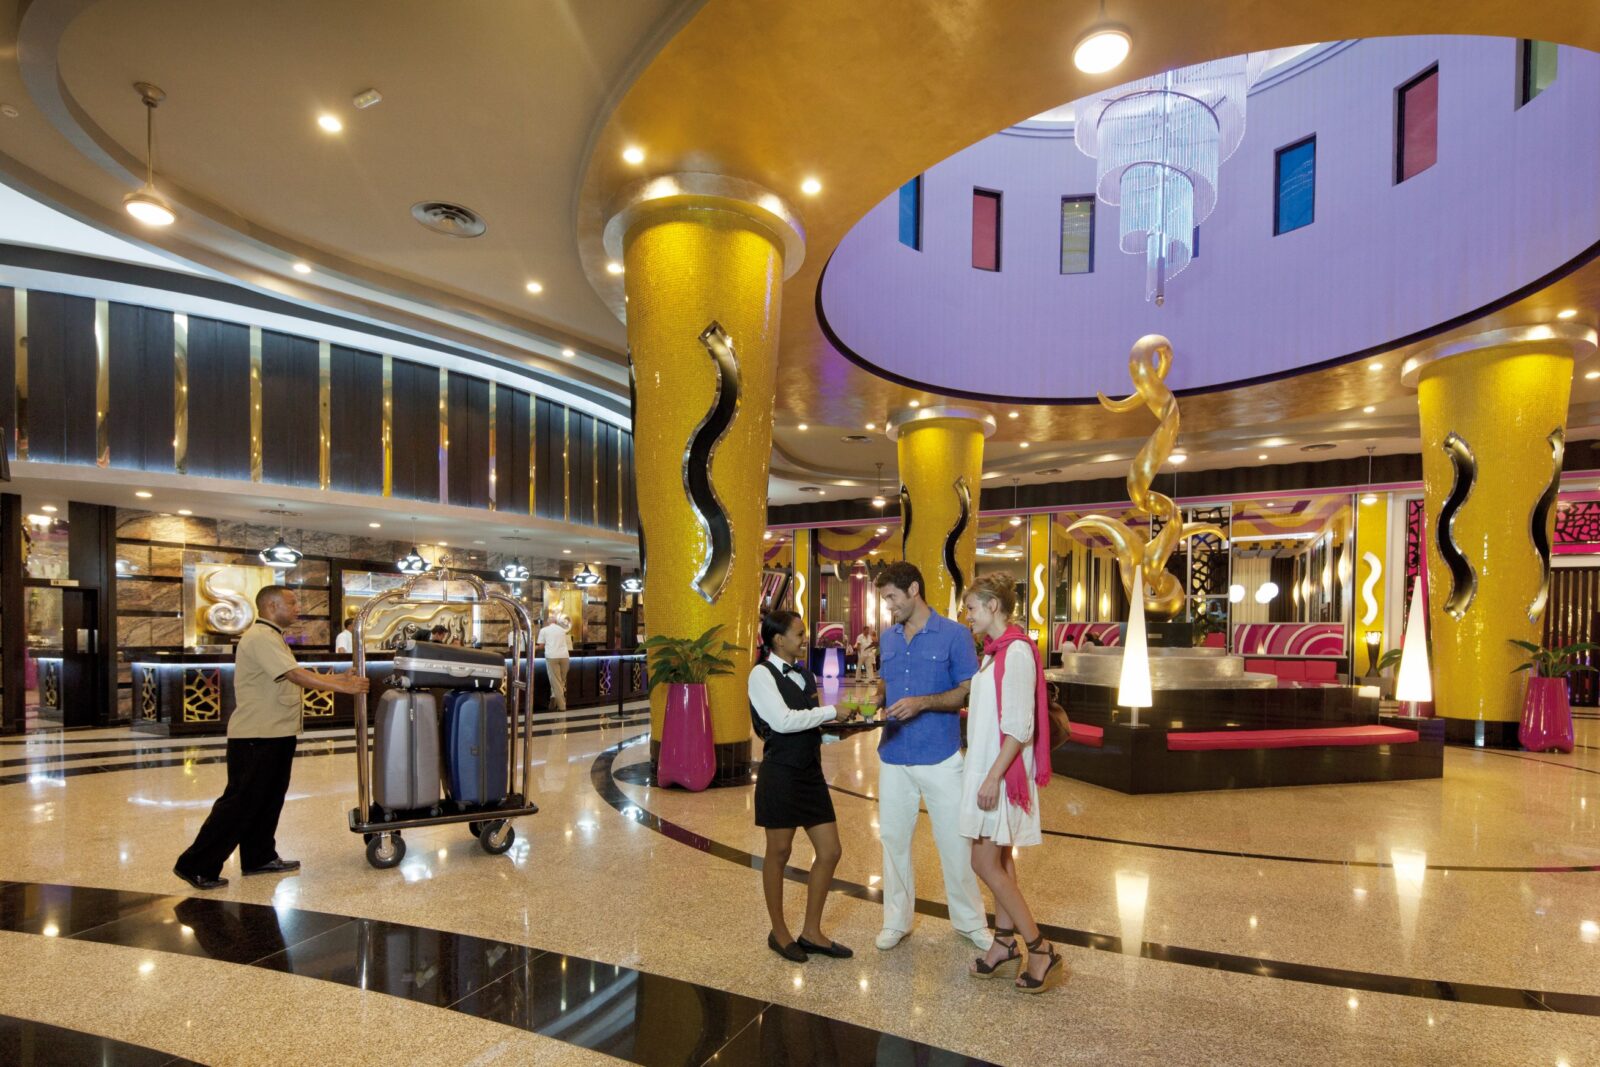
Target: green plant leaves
point(688, 660)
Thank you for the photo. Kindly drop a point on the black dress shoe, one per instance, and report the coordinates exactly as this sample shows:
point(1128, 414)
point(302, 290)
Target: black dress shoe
point(275, 866)
point(200, 881)
point(832, 948)
point(791, 952)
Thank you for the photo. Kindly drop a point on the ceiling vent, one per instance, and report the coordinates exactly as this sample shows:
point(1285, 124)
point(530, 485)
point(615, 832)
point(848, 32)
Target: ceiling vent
point(452, 220)
point(1048, 472)
point(516, 537)
point(1324, 447)
point(280, 512)
point(817, 489)
point(856, 439)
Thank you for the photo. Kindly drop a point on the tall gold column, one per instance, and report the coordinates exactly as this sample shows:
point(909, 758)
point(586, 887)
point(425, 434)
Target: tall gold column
point(704, 259)
point(1041, 582)
point(941, 472)
point(1494, 413)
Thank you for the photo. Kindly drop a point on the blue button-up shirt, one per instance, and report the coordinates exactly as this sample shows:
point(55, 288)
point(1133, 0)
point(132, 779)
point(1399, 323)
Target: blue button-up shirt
point(937, 659)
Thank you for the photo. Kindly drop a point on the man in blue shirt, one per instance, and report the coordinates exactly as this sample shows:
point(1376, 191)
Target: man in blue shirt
point(926, 662)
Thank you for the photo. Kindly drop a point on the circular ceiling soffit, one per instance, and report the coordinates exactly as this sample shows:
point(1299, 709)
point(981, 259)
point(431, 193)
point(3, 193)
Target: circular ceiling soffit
point(452, 220)
point(1581, 341)
point(908, 416)
point(709, 192)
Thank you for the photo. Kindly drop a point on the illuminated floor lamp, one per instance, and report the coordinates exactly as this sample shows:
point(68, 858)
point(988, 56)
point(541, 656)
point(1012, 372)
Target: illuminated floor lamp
point(1133, 691)
point(1374, 646)
point(1414, 684)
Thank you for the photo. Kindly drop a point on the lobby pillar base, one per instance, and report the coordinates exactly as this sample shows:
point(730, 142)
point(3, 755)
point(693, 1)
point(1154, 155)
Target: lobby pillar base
point(734, 762)
point(1477, 733)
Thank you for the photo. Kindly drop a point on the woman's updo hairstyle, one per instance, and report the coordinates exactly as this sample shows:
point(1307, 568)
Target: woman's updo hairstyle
point(999, 587)
point(774, 623)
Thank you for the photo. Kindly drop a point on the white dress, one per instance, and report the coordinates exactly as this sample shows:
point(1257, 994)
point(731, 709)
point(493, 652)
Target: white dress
point(1007, 824)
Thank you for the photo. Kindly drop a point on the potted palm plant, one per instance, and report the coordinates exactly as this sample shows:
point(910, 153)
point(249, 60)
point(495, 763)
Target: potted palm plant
point(683, 664)
point(1546, 710)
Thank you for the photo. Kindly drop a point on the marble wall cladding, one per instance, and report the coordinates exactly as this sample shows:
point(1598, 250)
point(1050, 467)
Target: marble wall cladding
point(134, 632)
point(178, 529)
point(313, 602)
point(310, 572)
point(142, 595)
point(124, 674)
point(166, 633)
point(310, 632)
point(133, 559)
point(495, 634)
point(124, 703)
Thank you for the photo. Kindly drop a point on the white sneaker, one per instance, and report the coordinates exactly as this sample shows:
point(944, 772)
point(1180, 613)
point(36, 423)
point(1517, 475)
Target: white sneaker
point(981, 938)
point(888, 939)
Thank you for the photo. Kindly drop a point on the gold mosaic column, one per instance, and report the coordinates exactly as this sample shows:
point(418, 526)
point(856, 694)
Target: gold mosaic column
point(1040, 582)
point(941, 472)
point(1494, 412)
point(704, 259)
point(1371, 575)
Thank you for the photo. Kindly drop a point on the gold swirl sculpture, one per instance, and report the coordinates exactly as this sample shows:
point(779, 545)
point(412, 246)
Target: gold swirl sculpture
point(232, 613)
point(1148, 364)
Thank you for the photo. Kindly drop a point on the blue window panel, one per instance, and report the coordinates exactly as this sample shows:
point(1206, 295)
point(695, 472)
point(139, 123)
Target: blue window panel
point(1296, 186)
point(911, 213)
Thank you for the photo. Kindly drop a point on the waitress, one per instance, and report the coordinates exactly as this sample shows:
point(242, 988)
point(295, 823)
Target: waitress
point(790, 790)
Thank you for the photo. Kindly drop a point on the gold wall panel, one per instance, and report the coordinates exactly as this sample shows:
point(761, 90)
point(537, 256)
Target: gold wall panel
point(388, 426)
point(102, 383)
point(325, 414)
point(180, 393)
point(255, 403)
point(316, 703)
point(1505, 402)
point(20, 340)
point(202, 694)
point(1371, 574)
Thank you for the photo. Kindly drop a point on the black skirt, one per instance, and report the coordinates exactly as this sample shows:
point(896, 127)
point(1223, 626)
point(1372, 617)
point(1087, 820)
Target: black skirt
point(789, 797)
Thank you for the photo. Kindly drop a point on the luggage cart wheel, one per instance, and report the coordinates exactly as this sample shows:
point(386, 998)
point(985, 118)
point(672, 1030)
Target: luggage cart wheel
point(476, 828)
point(386, 850)
point(497, 837)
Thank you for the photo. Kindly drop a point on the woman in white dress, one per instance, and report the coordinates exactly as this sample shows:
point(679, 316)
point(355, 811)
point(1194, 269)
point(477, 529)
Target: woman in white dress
point(1008, 758)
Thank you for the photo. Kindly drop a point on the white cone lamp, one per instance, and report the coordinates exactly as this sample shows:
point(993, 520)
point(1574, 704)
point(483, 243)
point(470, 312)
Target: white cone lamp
point(1414, 684)
point(1133, 691)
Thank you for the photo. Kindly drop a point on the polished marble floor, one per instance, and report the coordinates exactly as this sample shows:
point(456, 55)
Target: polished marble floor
point(1451, 922)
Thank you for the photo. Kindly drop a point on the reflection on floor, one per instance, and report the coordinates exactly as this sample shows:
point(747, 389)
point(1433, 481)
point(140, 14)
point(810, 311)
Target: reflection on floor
point(1453, 921)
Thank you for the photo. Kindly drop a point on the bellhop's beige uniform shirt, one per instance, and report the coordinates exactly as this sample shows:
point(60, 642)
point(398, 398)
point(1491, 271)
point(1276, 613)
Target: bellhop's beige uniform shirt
point(266, 704)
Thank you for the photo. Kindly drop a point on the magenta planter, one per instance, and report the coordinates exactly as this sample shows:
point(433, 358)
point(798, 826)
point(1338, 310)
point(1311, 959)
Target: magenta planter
point(1546, 717)
point(687, 755)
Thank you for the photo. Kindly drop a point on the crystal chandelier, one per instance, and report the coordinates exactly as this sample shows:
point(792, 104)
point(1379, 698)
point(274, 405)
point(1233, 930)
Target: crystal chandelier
point(1159, 143)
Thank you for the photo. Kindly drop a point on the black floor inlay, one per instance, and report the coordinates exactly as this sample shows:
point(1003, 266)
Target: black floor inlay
point(600, 776)
point(633, 1015)
point(644, 774)
point(24, 1043)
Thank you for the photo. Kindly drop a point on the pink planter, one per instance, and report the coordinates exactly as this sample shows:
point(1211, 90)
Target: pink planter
point(1546, 717)
point(687, 755)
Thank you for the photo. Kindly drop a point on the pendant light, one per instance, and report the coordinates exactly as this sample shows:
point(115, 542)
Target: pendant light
point(1103, 46)
point(878, 500)
point(412, 564)
point(633, 584)
point(1369, 498)
point(146, 204)
point(280, 556)
point(586, 577)
point(515, 572)
point(1016, 520)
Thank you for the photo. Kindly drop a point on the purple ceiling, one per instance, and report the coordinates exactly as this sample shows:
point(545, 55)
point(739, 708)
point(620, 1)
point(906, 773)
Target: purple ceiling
point(1515, 196)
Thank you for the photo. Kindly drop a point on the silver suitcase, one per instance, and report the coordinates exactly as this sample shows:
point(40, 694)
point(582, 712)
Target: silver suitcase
point(429, 665)
point(405, 758)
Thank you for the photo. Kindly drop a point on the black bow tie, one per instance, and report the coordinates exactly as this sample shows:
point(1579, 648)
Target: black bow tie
point(790, 668)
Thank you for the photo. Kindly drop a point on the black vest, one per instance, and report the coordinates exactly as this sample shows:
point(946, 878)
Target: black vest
point(798, 750)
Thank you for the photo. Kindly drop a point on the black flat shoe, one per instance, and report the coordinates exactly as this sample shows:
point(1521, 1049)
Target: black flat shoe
point(791, 952)
point(201, 881)
point(832, 948)
point(276, 866)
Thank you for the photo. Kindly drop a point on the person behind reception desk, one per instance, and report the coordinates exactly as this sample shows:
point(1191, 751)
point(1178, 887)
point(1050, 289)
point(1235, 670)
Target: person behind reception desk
point(1008, 759)
point(790, 790)
point(261, 738)
point(345, 643)
point(927, 664)
point(557, 645)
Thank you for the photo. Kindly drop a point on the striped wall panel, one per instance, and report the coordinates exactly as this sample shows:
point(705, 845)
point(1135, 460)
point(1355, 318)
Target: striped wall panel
point(469, 441)
point(415, 431)
point(219, 399)
point(62, 373)
point(289, 415)
point(513, 410)
point(355, 447)
point(143, 385)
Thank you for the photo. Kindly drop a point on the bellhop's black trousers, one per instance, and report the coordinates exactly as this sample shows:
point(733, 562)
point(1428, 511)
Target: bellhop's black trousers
point(246, 815)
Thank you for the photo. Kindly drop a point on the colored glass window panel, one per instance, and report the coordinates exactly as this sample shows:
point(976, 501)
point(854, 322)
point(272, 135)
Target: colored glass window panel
point(1077, 235)
point(1537, 64)
point(1295, 201)
point(1418, 133)
point(985, 229)
point(911, 213)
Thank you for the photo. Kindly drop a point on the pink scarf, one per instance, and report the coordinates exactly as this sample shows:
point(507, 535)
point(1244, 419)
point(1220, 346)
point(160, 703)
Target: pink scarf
point(1017, 773)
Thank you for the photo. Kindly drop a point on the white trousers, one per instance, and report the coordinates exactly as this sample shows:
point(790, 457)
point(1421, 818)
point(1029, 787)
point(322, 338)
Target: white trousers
point(900, 789)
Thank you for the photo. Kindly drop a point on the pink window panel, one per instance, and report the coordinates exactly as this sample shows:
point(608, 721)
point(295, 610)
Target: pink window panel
point(985, 230)
point(1419, 125)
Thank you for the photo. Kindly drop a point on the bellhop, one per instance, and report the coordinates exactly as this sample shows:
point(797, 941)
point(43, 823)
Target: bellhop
point(1494, 415)
point(704, 257)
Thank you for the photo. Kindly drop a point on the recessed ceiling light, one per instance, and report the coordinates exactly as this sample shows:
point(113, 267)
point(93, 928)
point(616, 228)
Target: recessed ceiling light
point(1592, 375)
point(301, 267)
point(48, 509)
point(633, 155)
point(375, 525)
point(480, 542)
point(613, 267)
point(1180, 457)
point(811, 187)
point(802, 426)
point(916, 403)
point(872, 426)
point(330, 123)
point(535, 288)
point(566, 551)
point(1024, 444)
point(444, 544)
point(1567, 314)
point(185, 511)
point(1368, 410)
point(1262, 456)
point(1013, 414)
point(1374, 366)
point(1102, 49)
point(568, 352)
point(143, 494)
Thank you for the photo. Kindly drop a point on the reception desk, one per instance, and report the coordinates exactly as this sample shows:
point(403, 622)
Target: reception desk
point(191, 694)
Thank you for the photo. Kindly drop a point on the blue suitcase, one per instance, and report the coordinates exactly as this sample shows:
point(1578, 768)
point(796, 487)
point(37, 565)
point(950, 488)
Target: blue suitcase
point(475, 739)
